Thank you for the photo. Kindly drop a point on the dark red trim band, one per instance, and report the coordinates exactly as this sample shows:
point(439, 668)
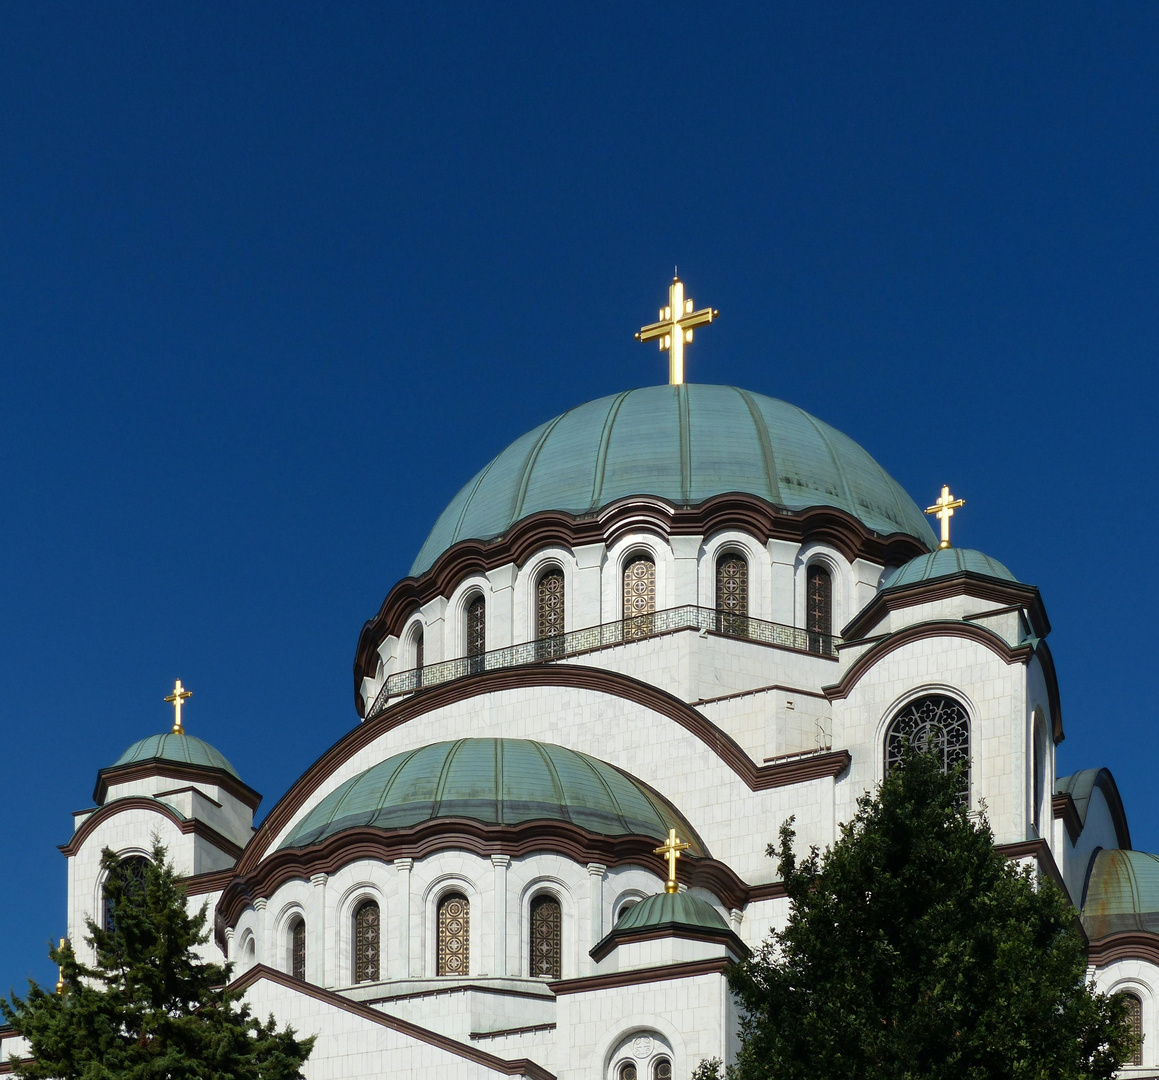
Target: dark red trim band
point(141, 802)
point(587, 983)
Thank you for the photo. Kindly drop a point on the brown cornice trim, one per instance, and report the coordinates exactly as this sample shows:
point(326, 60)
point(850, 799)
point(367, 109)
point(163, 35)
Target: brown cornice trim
point(459, 988)
point(1127, 945)
point(1019, 654)
point(551, 527)
point(1062, 806)
point(756, 690)
point(773, 890)
point(575, 676)
point(1053, 699)
point(464, 834)
point(587, 983)
point(141, 802)
point(1013, 595)
point(502, 1033)
point(174, 770)
point(1040, 851)
point(210, 882)
point(657, 933)
point(517, 1067)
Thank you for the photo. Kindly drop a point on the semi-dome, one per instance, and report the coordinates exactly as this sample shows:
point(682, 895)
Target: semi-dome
point(946, 562)
point(679, 909)
point(1122, 893)
point(497, 782)
point(683, 444)
point(183, 748)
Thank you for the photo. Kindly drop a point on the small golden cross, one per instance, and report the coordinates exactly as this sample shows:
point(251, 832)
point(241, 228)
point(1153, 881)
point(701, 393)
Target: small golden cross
point(175, 699)
point(943, 510)
point(674, 330)
point(671, 851)
point(60, 974)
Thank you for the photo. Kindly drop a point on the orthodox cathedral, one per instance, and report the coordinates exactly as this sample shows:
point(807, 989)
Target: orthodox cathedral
point(639, 639)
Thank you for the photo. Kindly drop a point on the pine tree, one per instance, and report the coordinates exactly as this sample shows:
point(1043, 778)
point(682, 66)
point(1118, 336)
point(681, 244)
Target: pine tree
point(914, 949)
point(150, 1007)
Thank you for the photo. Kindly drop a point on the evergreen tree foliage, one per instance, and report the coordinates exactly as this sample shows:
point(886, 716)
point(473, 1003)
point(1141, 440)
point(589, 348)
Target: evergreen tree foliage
point(914, 949)
point(150, 1008)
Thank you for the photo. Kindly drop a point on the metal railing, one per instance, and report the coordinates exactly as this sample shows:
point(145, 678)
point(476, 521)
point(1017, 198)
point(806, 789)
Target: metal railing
point(620, 632)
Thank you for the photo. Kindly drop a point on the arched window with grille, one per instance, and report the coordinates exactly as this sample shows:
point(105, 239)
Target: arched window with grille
point(367, 939)
point(1134, 1005)
point(627, 1071)
point(662, 1069)
point(934, 724)
point(453, 944)
point(298, 948)
point(549, 596)
point(476, 634)
point(546, 938)
point(133, 876)
point(418, 656)
point(639, 596)
point(819, 609)
point(1039, 766)
point(732, 594)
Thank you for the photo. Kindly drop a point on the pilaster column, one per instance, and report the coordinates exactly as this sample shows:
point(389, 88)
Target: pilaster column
point(596, 872)
point(685, 571)
point(230, 954)
point(262, 952)
point(586, 600)
point(435, 634)
point(400, 962)
point(316, 933)
point(783, 554)
point(501, 607)
point(500, 863)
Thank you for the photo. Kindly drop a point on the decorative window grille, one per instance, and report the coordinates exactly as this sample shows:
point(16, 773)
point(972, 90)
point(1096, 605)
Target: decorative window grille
point(366, 942)
point(418, 639)
point(546, 937)
point(732, 594)
point(1135, 1026)
point(934, 724)
point(639, 597)
point(627, 1071)
point(454, 936)
point(819, 608)
point(133, 876)
point(662, 1070)
point(298, 949)
point(549, 614)
point(476, 633)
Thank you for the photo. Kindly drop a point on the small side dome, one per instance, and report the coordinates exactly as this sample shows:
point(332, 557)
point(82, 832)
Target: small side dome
point(1122, 893)
point(497, 782)
point(678, 910)
point(186, 749)
point(944, 563)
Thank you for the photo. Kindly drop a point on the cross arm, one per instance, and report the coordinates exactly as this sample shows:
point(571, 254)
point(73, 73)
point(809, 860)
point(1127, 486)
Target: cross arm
point(653, 331)
point(698, 318)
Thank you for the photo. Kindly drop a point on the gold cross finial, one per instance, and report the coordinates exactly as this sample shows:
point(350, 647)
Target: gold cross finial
point(175, 699)
point(671, 851)
point(943, 510)
point(674, 330)
point(60, 974)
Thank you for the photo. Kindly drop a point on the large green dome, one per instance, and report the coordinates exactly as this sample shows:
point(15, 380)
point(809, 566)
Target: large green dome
point(498, 782)
point(683, 444)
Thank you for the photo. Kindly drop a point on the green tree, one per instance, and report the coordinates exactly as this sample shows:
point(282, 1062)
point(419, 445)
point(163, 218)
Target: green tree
point(150, 1008)
point(914, 949)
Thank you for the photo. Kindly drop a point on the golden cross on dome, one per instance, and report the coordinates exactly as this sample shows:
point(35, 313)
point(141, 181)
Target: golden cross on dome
point(674, 330)
point(943, 510)
point(671, 851)
point(60, 973)
point(175, 699)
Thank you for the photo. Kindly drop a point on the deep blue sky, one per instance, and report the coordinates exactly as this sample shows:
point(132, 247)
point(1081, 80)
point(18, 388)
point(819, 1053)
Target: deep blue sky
point(276, 279)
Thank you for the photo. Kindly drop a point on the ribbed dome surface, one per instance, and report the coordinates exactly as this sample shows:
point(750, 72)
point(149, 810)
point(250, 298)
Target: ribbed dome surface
point(187, 749)
point(671, 909)
point(683, 444)
point(1122, 893)
point(947, 562)
point(498, 782)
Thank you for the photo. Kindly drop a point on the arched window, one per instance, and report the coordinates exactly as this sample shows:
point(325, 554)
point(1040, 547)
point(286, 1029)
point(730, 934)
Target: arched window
point(627, 1071)
point(1134, 1025)
point(662, 1070)
point(454, 936)
point(298, 949)
point(625, 907)
point(546, 938)
point(418, 648)
point(476, 634)
point(639, 596)
point(732, 594)
point(366, 942)
point(1039, 773)
point(549, 614)
point(819, 610)
point(934, 724)
point(133, 876)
